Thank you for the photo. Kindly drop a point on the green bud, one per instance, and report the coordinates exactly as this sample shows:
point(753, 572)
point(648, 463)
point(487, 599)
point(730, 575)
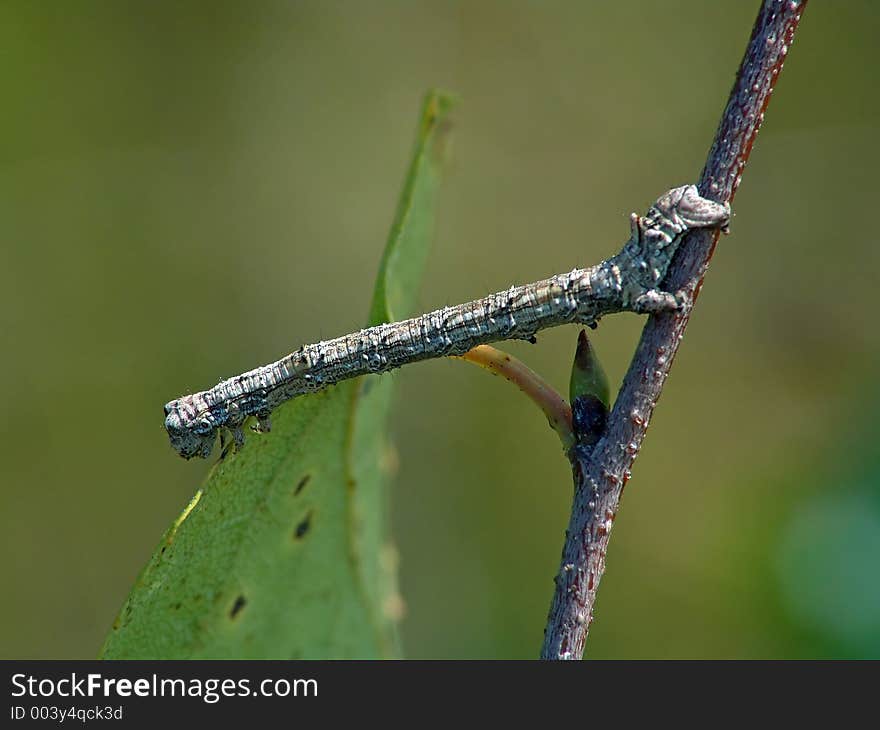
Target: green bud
point(587, 375)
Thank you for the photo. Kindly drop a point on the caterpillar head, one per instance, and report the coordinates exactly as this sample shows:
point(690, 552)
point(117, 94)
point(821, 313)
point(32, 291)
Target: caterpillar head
point(190, 434)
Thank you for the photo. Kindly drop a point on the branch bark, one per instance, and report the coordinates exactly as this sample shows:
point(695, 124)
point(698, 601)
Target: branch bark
point(601, 472)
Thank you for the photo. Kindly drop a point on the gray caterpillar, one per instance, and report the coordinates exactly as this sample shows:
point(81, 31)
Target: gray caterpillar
point(627, 281)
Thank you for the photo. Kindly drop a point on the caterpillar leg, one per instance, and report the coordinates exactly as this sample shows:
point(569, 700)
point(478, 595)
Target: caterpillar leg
point(263, 424)
point(225, 445)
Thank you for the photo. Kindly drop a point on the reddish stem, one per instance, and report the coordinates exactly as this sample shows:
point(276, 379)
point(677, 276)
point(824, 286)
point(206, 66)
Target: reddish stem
point(601, 473)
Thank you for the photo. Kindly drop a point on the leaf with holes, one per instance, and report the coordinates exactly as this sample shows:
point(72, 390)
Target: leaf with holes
point(284, 552)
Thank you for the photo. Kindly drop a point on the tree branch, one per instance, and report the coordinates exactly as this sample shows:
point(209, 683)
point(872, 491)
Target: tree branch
point(601, 472)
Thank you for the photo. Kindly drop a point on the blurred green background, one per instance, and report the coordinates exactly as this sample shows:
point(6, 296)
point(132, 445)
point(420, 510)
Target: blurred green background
point(190, 189)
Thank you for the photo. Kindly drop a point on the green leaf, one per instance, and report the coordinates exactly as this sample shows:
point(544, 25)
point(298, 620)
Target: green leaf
point(406, 252)
point(284, 552)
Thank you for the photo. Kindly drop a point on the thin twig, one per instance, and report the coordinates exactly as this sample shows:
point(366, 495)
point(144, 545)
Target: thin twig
point(601, 473)
point(538, 390)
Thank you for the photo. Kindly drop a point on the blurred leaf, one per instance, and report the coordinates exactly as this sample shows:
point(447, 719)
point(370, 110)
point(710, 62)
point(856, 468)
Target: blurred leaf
point(283, 552)
point(826, 567)
point(406, 252)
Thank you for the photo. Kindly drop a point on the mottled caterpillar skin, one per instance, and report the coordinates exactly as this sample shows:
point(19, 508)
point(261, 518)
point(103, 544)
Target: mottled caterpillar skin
point(625, 282)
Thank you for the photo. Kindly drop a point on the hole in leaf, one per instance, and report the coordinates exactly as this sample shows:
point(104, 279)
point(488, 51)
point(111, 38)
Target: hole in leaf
point(302, 484)
point(240, 603)
point(302, 529)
